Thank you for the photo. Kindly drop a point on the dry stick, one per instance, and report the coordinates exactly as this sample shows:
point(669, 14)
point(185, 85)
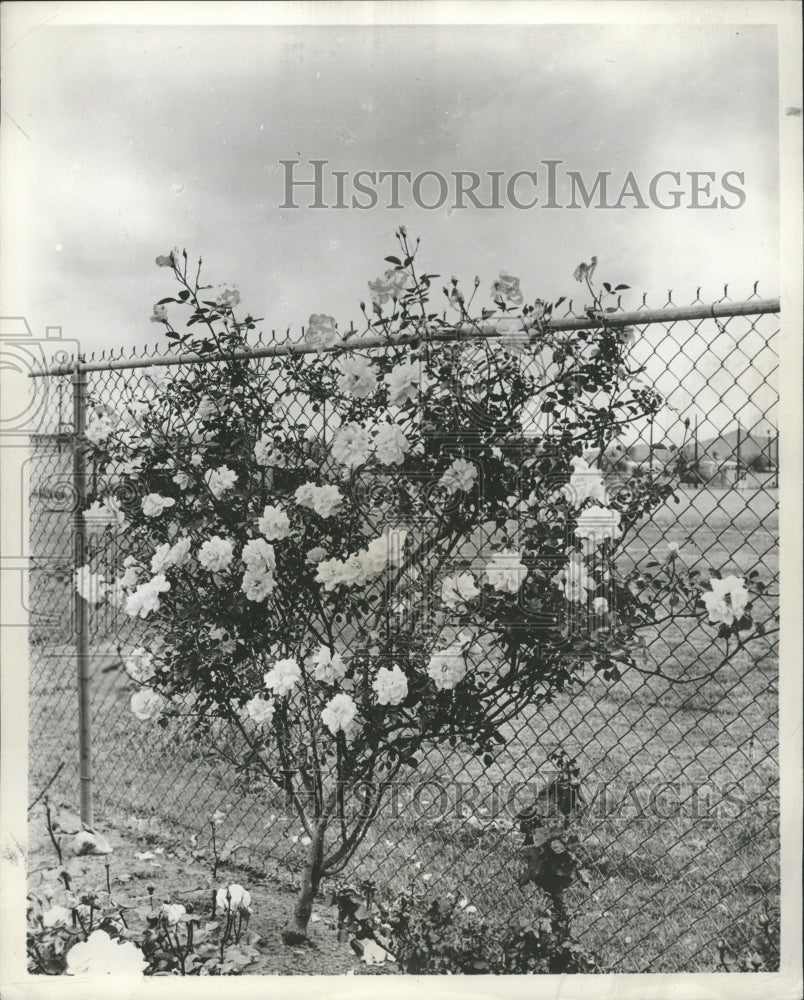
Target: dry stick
point(55, 842)
point(39, 796)
point(215, 858)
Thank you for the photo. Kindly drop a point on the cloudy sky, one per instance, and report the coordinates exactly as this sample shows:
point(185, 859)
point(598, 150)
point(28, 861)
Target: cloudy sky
point(129, 140)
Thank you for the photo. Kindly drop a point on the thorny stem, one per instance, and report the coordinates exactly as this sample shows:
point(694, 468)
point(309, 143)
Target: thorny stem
point(740, 645)
point(287, 784)
point(41, 967)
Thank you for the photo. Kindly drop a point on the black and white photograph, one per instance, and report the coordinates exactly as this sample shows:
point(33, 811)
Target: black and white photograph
point(401, 483)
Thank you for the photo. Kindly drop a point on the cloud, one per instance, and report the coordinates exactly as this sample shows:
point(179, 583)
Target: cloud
point(143, 137)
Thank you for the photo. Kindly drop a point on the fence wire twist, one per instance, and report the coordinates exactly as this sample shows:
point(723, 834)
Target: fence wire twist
point(678, 809)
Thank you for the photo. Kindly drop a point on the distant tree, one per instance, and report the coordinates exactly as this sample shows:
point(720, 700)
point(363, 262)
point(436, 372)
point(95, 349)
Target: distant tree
point(759, 463)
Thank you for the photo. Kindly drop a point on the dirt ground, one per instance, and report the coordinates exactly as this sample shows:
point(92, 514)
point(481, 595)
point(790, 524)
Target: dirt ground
point(179, 874)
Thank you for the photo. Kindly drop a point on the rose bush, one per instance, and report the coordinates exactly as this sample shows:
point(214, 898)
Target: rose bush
point(353, 549)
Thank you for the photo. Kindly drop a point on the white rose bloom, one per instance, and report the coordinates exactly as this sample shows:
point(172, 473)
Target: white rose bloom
point(600, 606)
point(354, 570)
point(161, 560)
point(274, 524)
point(573, 580)
point(131, 576)
point(404, 382)
point(145, 598)
point(182, 480)
point(329, 573)
point(727, 600)
point(257, 584)
point(283, 677)
point(206, 408)
point(505, 571)
point(232, 898)
point(585, 484)
point(220, 481)
point(372, 560)
point(391, 444)
point(339, 714)
point(461, 475)
point(140, 665)
point(390, 686)
point(180, 553)
point(216, 554)
point(351, 445)
point(321, 331)
point(447, 668)
point(259, 556)
point(100, 955)
point(328, 667)
point(324, 500)
point(260, 710)
point(57, 916)
point(359, 378)
point(98, 428)
point(391, 285)
point(387, 549)
point(597, 524)
point(91, 586)
point(167, 555)
point(457, 589)
point(172, 912)
point(358, 569)
point(145, 703)
point(153, 505)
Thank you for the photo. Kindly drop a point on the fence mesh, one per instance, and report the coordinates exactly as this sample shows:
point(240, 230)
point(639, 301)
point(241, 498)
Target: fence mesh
point(678, 811)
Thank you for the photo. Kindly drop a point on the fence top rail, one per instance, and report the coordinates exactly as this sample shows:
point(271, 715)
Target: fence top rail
point(486, 330)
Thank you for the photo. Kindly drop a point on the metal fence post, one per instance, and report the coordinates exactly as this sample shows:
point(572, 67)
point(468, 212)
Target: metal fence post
point(79, 385)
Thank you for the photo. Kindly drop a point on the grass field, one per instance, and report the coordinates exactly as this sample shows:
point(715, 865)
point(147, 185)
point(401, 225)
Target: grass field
point(668, 880)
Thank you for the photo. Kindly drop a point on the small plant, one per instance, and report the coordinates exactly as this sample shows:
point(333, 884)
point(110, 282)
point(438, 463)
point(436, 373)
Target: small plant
point(84, 930)
point(444, 935)
point(355, 915)
point(761, 954)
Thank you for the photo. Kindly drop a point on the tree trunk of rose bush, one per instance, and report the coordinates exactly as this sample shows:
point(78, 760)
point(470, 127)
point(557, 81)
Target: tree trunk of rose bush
point(295, 931)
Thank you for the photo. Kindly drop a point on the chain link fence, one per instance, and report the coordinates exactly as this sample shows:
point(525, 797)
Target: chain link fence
point(678, 803)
